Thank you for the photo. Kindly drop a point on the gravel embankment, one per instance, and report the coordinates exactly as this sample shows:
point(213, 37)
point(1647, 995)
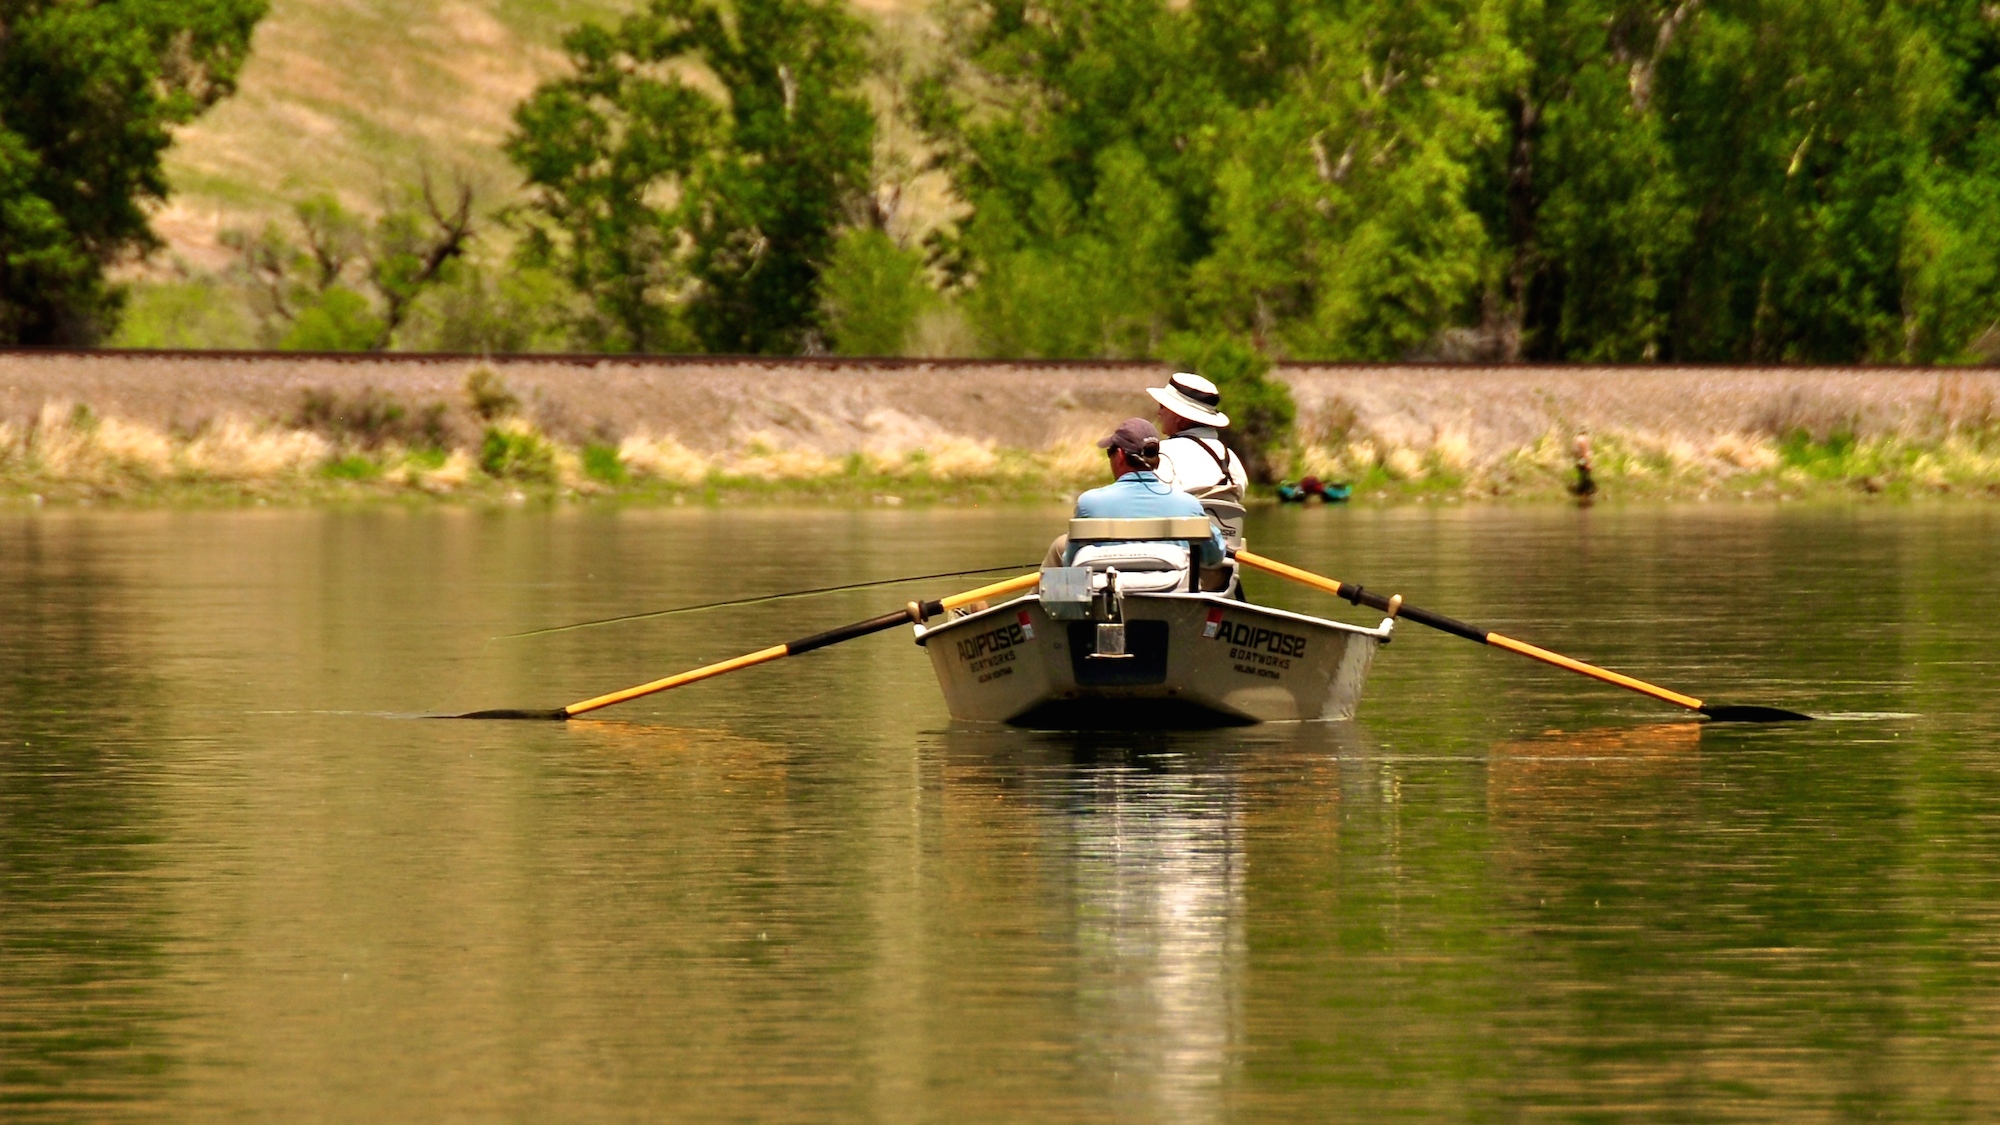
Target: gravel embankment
point(835, 407)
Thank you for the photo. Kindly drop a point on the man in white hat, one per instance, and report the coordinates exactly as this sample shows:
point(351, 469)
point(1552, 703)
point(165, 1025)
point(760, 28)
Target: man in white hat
point(1192, 455)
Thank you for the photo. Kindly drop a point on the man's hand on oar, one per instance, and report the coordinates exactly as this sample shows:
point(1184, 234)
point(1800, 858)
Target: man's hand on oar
point(1393, 605)
point(915, 612)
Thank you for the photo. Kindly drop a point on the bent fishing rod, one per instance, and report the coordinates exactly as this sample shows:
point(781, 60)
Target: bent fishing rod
point(757, 599)
point(1394, 606)
point(913, 613)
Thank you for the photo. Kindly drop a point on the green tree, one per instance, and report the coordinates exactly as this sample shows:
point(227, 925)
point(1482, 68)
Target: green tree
point(1950, 261)
point(89, 94)
point(1601, 180)
point(345, 284)
point(1344, 230)
point(194, 312)
point(1576, 188)
point(691, 210)
point(1792, 131)
point(1732, 180)
point(1292, 173)
point(872, 293)
point(491, 307)
point(1101, 278)
point(1079, 131)
point(335, 319)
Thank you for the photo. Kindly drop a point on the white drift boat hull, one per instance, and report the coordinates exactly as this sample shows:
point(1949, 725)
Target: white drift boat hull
point(1192, 659)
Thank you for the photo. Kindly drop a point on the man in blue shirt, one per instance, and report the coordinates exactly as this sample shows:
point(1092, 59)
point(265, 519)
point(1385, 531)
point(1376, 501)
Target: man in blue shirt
point(1137, 492)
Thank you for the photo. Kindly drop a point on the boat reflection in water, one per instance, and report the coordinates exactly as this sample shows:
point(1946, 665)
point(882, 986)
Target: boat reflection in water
point(1138, 878)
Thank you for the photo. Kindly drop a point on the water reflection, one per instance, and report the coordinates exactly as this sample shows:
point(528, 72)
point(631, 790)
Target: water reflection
point(84, 927)
point(1143, 841)
point(228, 891)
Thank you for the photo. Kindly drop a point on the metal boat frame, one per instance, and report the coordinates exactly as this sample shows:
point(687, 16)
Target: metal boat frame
point(1083, 652)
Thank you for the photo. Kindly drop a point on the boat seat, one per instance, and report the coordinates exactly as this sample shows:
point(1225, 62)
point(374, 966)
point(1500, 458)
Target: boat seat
point(1143, 568)
point(1152, 554)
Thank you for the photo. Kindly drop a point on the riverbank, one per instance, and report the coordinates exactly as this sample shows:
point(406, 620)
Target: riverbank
point(221, 428)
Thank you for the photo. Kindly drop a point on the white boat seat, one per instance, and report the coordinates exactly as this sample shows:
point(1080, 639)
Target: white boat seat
point(1144, 567)
point(1152, 554)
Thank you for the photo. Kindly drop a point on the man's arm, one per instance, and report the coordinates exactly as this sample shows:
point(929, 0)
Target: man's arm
point(1212, 552)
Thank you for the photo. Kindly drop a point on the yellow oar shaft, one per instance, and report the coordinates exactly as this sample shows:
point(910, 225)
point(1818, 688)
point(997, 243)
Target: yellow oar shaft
point(918, 611)
point(1594, 672)
point(1286, 570)
point(1395, 606)
point(761, 656)
point(997, 589)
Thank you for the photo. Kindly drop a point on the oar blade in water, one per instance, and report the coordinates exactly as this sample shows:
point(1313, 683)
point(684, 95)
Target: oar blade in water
point(1751, 713)
point(558, 714)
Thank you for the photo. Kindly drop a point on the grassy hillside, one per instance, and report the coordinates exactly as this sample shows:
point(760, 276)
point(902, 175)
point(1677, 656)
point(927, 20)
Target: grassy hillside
point(355, 96)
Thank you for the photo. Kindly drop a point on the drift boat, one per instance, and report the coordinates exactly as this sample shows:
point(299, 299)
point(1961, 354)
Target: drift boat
point(1125, 637)
point(1129, 635)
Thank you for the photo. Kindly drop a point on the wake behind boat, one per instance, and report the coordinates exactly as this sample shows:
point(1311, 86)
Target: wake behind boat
point(1124, 638)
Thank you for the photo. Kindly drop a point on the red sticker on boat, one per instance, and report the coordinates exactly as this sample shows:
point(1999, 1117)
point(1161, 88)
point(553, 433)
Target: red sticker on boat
point(1027, 626)
point(1214, 623)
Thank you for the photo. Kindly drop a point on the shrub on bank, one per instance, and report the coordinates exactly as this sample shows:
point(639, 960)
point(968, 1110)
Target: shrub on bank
point(602, 464)
point(514, 451)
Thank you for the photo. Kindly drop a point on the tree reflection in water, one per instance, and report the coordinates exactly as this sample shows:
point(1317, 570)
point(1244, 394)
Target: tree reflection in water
point(83, 931)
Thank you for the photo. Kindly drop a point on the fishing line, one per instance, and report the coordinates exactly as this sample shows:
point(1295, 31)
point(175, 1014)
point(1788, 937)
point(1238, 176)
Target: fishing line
point(761, 598)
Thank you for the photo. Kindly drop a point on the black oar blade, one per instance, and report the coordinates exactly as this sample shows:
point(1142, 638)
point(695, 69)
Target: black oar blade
point(1751, 713)
point(558, 714)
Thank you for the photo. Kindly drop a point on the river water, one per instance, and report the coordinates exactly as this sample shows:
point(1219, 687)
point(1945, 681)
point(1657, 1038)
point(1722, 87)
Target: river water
point(238, 882)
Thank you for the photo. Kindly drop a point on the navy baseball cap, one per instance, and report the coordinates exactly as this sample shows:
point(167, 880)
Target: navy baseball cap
point(1133, 435)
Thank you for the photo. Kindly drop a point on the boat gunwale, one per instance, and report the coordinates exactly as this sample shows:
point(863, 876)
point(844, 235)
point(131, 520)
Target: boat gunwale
point(1382, 632)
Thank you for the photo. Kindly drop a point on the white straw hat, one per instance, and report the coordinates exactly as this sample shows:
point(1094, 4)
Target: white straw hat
point(1192, 397)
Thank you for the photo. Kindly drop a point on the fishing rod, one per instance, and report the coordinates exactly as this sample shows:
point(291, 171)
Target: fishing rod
point(759, 599)
point(1393, 605)
point(915, 612)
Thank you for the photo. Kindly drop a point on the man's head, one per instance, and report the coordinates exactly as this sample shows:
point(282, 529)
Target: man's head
point(1188, 400)
point(1133, 447)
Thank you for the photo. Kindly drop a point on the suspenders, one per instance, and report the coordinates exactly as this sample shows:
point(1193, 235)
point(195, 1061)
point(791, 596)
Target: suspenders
point(1221, 462)
point(1223, 492)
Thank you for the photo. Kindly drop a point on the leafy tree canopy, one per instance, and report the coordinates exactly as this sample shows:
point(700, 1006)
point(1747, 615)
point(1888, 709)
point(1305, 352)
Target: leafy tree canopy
point(690, 175)
point(1611, 180)
point(89, 91)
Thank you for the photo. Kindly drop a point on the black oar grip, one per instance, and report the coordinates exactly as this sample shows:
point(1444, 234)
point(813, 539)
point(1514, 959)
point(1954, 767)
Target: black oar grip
point(1360, 596)
point(848, 632)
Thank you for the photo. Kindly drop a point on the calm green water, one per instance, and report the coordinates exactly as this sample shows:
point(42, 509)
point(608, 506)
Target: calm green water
point(235, 884)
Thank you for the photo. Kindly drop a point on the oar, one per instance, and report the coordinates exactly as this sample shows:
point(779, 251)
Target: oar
point(1393, 605)
point(914, 612)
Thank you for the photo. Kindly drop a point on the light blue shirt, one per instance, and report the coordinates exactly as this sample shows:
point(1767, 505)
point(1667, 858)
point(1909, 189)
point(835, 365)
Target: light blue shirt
point(1140, 495)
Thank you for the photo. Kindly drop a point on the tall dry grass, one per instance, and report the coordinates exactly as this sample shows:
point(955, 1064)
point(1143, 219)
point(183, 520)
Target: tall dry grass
point(1933, 455)
point(1950, 445)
